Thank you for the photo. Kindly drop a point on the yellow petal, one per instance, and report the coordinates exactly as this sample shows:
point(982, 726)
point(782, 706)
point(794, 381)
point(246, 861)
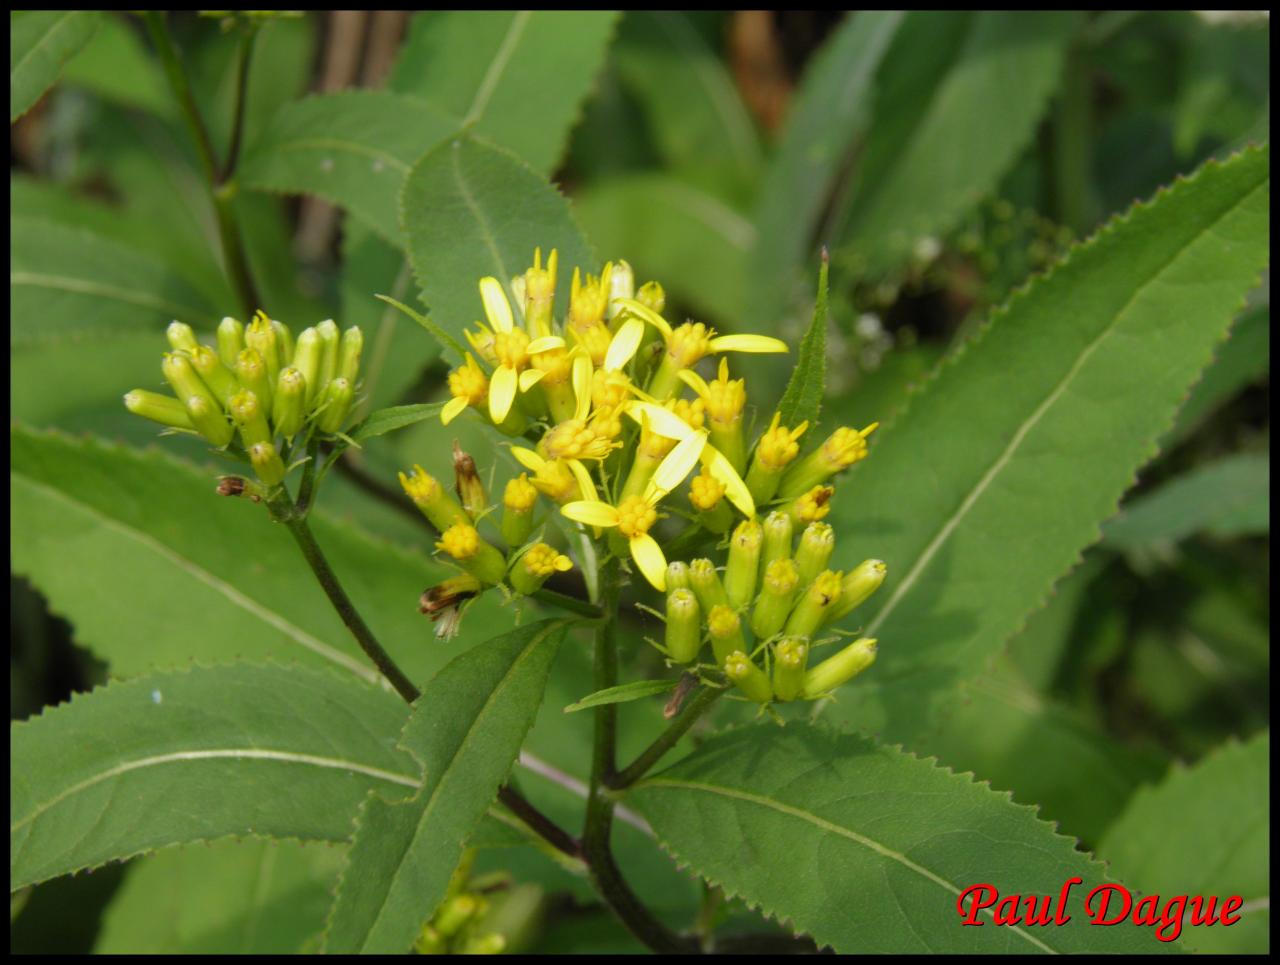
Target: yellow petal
point(529, 378)
point(545, 344)
point(735, 489)
point(528, 458)
point(587, 487)
point(662, 421)
point(647, 314)
point(868, 430)
point(496, 305)
point(452, 409)
point(622, 348)
point(502, 392)
point(649, 557)
point(694, 381)
point(581, 385)
point(677, 464)
point(748, 343)
point(592, 512)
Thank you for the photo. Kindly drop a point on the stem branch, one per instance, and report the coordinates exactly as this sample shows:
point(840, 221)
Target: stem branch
point(695, 708)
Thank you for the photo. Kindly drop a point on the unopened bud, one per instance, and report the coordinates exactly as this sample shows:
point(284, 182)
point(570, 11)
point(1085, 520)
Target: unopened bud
point(330, 338)
point(455, 913)
point(215, 375)
point(678, 576)
point(284, 341)
point(841, 450)
point(749, 678)
point(622, 284)
point(863, 580)
point(431, 498)
point(536, 565)
point(251, 371)
point(249, 416)
point(822, 596)
point(209, 420)
point(844, 666)
point(467, 483)
point(335, 405)
point(181, 337)
point(261, 337)
point(706, 585)
point(789, 659)
point(492, 943)
point(306, 359)
point(518, 500)
point(684, 626)
point(726, 632)
point(652, 297)
point(706, 493)
point(743, 569)
point(774, 603)
point(289, 406)
point(182, 375)
point(777, 538)
point(267, 463)
point(164, 409)
point(349, 354)
point(230, 341)
point(812, 505)
point(816, 544)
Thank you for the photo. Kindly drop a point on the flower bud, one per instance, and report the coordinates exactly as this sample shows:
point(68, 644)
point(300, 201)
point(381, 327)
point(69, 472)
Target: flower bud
point(539, 294)
point(622, 284)
point(181, 337)
point(678, 576)
point(251, 371)
point(518, 500)
point(492, 943)
point(749, 678)
point(215, 375)
point(536, 565)
point(834, 671)
point(430, 942)
point(230, 341)
point(306, 359)
point(349, 354)
point(284, 341)
point(706, 585)
point(164, 409)
point(863, 580)
point(556, 481)
point(261, 337)
point(684, 626)
point(816, 544)
point(289, 405)
point(725, 401)
point(266, 463)
point(335, 405)
point(181, 374)
point(430, 497)
point(455, 913)
point(777, 447)
point(726, 632)
point(743, 569)
point(652, 296)
point(841, 450)
point(330, 338)
point(818, 600)
point(209, 420)
point(774, 604)
point(812, 505)
point(706, 493)
point(249, 415)
point(789, 658)
point(777, 538)
point(473, 554)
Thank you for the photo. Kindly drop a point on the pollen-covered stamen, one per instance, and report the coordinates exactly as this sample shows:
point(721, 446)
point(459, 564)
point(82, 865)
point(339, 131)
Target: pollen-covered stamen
point(725, 399)
point(594, 339)
point(846, 446)
point(556, 481)
point(635, 516)
point(588, 301)
point(609, 389)
point(705, 492)
point(779, 445)
point(469, 382)
point(542, 560)
point(512, 349)
point(520, 495)
point(555, 363)
point(482, 340)
point(689, 343)
point(540, 293)
point(574, 439)
point(813, 505)
point(461, 541)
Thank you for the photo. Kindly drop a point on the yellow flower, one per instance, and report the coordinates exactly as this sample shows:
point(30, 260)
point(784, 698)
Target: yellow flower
point(469, 386)
point(511, 349)
point(634, 515)
point(561, 480)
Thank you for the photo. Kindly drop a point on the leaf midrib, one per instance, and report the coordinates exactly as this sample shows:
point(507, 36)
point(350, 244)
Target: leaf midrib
point(829, 827)
point(86, 286)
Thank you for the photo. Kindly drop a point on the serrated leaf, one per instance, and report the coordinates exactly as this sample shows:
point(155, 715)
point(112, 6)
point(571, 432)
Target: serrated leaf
point(40, 43)
point(194, 755)
point(1000, 471)
point(470, 210)
point(518, 76)
point(444, 341)
point(802, 399)
point(353, 148)
point(864, 847)
point(116, 65)
point(229, 898)
point(1204, 831)
point(945, 133)
point(395, 417)
point(1227, 497)
point(1242, 359)
point(466, 730)
point(154, 547)
point(623, 693)
point(828, 113)
point(66, 283)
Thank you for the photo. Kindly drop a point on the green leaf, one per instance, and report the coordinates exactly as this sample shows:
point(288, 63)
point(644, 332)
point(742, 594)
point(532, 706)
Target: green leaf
point(864, 847)
point(829, 111)
point(1204, 831)
point(194, 755)
point(979, 499)
point(230, 897)
point(471, 210)
point(802, 399)
point(67, 284)
point(444, 340)
point(1242, 359)
point(116, 65)
point(166, 570)
point(353, 148)
point(40, 43)
point(465, 730)
point(396, 417)
point(636, 690)
point(1225, 498)
point(947, 130)
point(518, 76)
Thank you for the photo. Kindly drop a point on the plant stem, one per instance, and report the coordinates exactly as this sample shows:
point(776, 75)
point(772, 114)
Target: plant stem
point(539, 822)
point(695, 708)
point(570, 603)
point(601, 868)
point(159, 31)
point(244, 55)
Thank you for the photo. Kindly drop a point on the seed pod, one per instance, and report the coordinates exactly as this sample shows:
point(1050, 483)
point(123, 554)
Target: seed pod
point(330, 338)
point(267, 463)
point(844, 666)
point(249, 415)
point(181, 337)
point(749, 678)
point(743, 569)
point(431, 498)
point(209, 420)
point(863, 580)
point(215, 375)
point(706, 585)
point(473, 554)
point(684, 626)
point(678, 576)
point(182, 375)
point(812, 608)
point(252, 373)
point(726, 632)
point(164, 409)
point(771, 609)
point(307, 353)
point(349, 354)
point(816, 544)
point(289, 407)
point(789, 658)
point(335, 404)
point(230, 341)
